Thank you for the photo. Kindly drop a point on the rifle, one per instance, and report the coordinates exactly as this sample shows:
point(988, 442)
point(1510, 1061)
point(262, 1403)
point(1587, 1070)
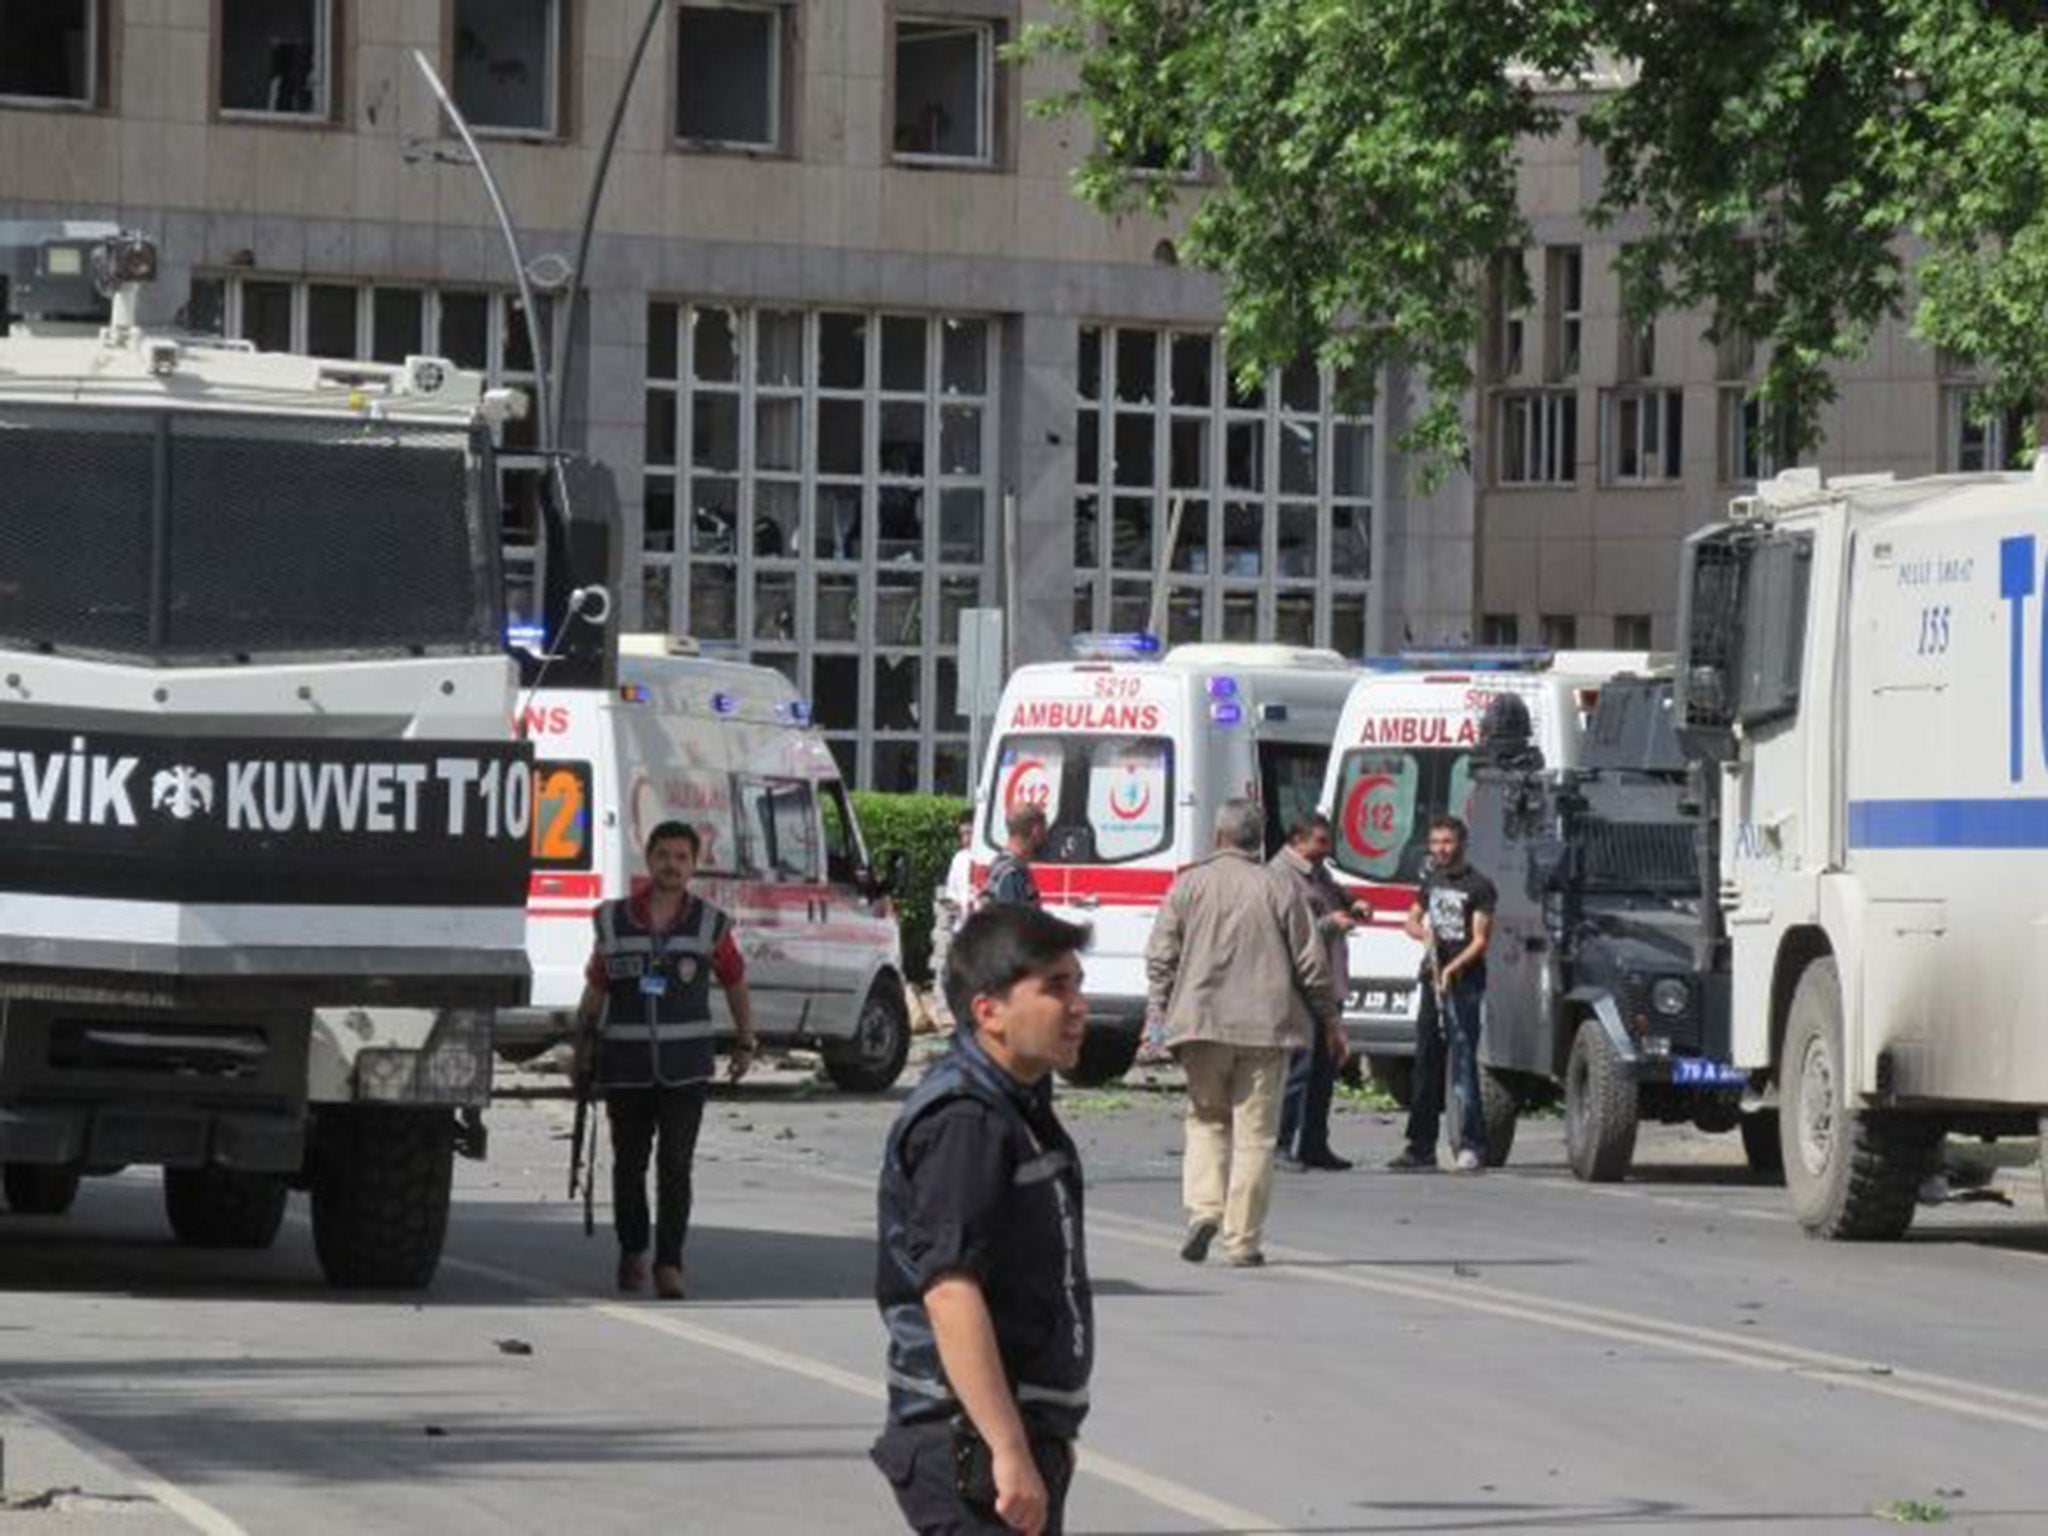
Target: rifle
point(582, 1164)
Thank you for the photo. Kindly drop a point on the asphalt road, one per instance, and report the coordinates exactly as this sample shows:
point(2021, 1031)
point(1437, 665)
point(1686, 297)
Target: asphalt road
point(1513, 1352)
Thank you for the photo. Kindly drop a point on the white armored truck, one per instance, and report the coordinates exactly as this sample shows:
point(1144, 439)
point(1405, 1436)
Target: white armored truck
point(1864, 660)
point(264, 820)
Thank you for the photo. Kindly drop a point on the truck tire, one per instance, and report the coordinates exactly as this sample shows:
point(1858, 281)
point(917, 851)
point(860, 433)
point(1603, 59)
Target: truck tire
point(873, 1059)
point(1394, 1076)
point(380, 1195)
point(1762, 1146)
point(1501, 1108)
point(40, 1189)
point(1106, 1055)
point(1853, 1173)
point(1599, 1108)
point(224, 1207)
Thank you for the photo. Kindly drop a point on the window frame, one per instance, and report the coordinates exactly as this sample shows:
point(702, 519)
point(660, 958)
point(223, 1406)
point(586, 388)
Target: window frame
point(1665, 444)
point(1552, 459)
point(95, 71)
point(558, 73)
point(327, 24)
point(782, 67)
point(987, 33)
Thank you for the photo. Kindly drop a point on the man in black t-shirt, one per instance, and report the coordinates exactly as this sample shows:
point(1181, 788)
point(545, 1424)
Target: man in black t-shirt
point(1453, 919)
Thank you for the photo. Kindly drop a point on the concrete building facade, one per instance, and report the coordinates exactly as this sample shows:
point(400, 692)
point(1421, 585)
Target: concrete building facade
point(848, 335)
point(1601, 444)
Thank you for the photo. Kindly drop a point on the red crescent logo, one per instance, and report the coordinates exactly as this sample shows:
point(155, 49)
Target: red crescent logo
point(1144, 804)
point(1355, 829)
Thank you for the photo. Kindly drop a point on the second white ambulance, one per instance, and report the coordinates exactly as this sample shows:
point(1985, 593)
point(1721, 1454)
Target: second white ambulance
point(1130, 754)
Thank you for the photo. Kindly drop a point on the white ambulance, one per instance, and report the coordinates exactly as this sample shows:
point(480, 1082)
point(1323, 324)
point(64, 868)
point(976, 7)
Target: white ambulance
point(727, 748)
point(1130, 753)
point(1402, 755)
point(1865, 662)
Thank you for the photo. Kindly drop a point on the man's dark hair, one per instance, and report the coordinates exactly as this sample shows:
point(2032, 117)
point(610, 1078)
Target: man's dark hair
point(1000, 946)
point(966, 818)
point(1449, 824)
point(1023, 818)
point(1306, 826)
point(676, 831)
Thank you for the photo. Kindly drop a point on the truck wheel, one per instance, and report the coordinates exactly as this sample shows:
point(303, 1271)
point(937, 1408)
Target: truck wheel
point(1394, 1076)
point(224, 1207)
point(873, 1059)
point(380, 1195)
point(1106, 1055)
point(1852, 1173)
point(1599, 1108)
point(40, 1189)
point(1761, 1145)
point(1500, 1108)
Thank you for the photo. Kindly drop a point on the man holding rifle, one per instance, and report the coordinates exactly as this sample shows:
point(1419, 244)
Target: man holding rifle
point(648, 1046)
point(1452, 919)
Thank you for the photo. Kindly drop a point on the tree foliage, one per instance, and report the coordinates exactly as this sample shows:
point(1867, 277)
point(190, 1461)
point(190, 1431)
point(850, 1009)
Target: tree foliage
point(1771, 163)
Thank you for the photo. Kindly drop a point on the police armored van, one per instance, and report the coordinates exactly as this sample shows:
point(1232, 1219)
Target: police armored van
point(1608, 970)
point(264, 864)
point(728, 749)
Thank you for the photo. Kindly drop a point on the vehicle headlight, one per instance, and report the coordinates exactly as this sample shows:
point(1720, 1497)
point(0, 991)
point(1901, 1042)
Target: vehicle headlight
point(1670, 997)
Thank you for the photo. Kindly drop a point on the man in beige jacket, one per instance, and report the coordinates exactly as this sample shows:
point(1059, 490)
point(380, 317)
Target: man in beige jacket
point(1242, 978)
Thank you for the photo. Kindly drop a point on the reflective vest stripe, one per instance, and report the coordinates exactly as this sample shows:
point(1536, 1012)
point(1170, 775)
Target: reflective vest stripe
point(1049, 1165)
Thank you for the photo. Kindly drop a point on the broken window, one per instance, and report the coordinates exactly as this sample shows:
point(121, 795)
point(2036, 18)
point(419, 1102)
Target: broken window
point(729, 76)
point(276, 57)
point(49, 50)
point(944, 83)
point(508, 63)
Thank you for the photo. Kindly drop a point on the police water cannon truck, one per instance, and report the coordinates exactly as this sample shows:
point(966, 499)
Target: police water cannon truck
point(1865, 667)
point(1609, 968)
point(264, 820)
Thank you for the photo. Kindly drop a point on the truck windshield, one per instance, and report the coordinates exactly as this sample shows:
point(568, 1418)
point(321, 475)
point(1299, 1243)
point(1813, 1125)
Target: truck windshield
point(1385, 800)
point(1107, 799)
point(179, 537)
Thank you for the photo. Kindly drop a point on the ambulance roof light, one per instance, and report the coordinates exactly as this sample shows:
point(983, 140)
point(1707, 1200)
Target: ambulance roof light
point(1222, 687)
point(1116, 645)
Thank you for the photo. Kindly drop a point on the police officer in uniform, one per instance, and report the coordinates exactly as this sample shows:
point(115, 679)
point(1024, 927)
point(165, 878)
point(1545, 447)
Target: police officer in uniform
point(982, 1277)
point(647, 995)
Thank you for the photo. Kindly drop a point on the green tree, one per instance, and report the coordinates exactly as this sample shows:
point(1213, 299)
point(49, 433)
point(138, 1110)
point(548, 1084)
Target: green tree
point(1774, 161)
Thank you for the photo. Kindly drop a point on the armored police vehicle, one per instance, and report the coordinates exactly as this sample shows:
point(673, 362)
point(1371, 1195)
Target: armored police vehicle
point(263, 864)
point(1863, 663)
point(1608, 978)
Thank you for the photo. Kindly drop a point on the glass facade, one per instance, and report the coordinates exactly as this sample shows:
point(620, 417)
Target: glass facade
point(1256, 502)
point(820, 494)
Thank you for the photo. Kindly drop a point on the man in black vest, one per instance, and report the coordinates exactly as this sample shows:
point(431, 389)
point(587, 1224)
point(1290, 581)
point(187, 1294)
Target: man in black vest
point(982, 1274)
point(647, 994)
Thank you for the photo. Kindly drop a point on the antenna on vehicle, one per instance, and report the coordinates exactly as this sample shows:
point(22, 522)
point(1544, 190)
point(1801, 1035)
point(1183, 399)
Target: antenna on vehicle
point(593, 605)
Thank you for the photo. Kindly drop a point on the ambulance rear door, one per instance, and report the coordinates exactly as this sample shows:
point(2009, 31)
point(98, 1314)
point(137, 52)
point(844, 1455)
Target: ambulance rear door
point(576, 855)
point(1102, 749)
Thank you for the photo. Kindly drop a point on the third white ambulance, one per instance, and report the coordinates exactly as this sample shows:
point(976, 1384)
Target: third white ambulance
point(1403, 755)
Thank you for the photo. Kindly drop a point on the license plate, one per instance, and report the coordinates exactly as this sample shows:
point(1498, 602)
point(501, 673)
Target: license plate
point(1379, 997)
point(1698, 1072)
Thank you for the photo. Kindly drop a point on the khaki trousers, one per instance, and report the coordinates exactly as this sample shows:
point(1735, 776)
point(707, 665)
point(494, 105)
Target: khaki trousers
point(1233, 1121)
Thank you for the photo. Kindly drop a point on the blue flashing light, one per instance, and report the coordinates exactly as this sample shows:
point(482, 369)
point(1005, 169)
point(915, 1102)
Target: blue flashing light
point(1226, 713)
point(528, 637)
point(797, 711)
point(724, 704)
point(1127, 645)
point(1222, 687)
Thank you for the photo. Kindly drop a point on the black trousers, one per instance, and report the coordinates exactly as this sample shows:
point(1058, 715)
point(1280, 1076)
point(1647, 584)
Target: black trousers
point(641, 1118)
point(918, 1461)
